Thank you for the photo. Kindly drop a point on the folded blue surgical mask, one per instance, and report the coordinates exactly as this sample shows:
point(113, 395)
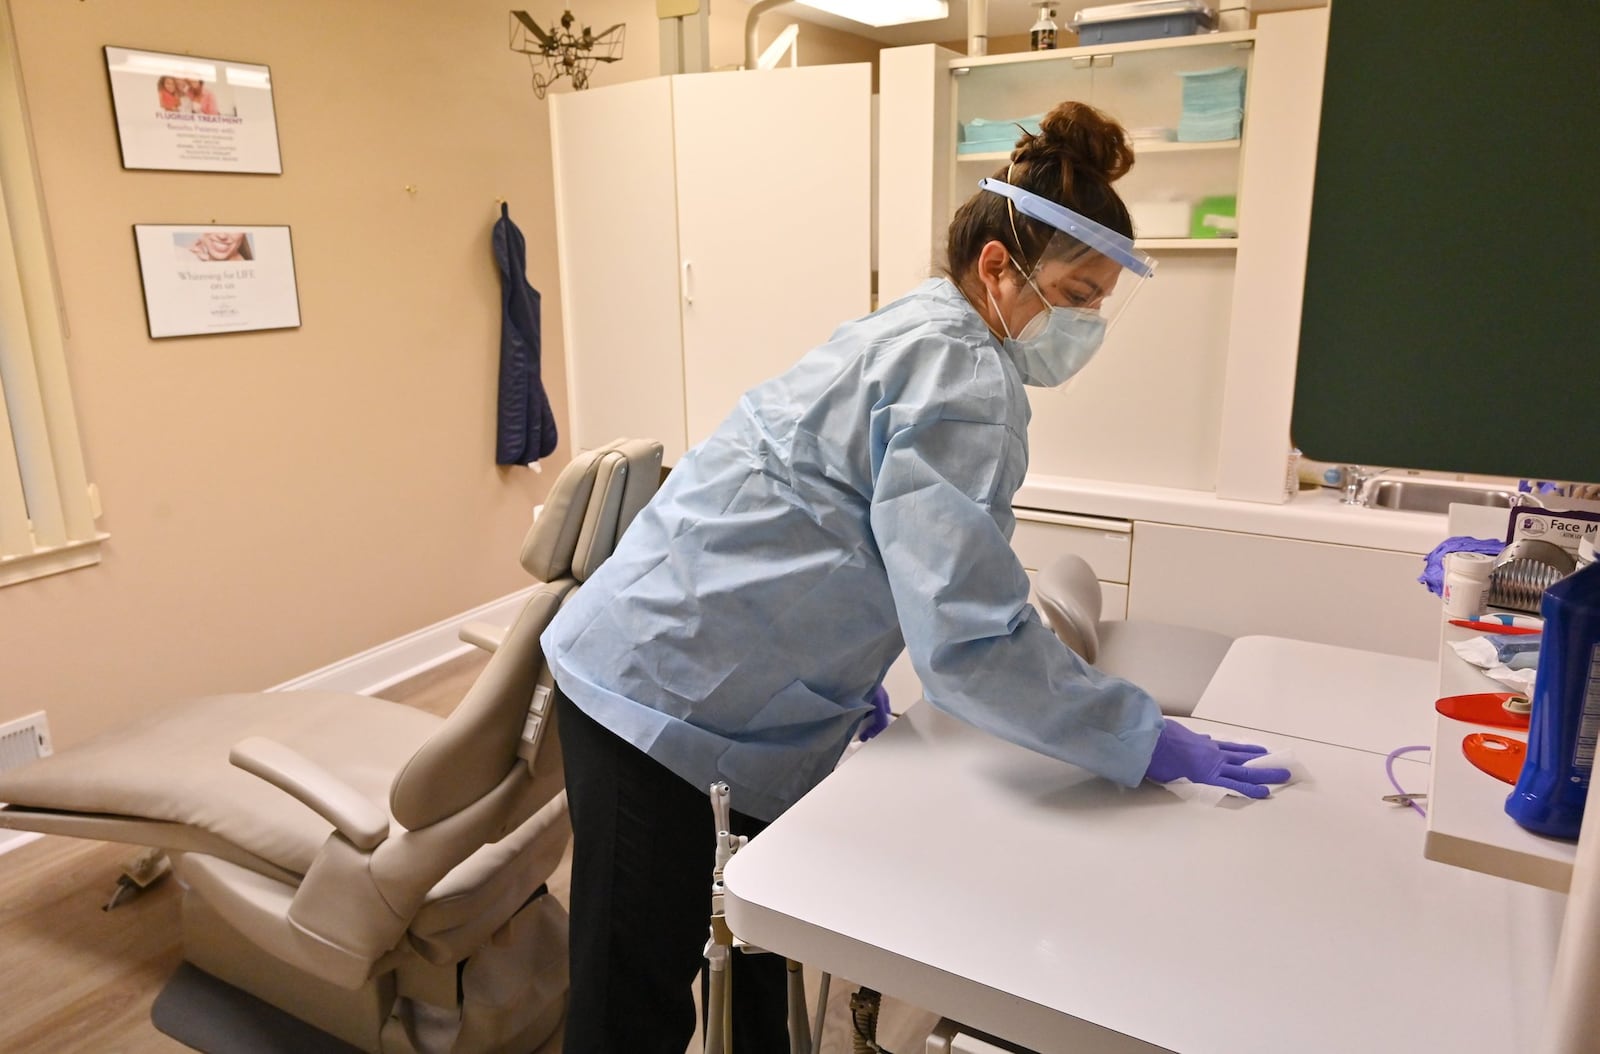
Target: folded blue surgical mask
point(1055, 344)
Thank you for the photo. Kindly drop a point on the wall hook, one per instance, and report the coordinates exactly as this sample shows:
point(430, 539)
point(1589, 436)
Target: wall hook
point(410, 188)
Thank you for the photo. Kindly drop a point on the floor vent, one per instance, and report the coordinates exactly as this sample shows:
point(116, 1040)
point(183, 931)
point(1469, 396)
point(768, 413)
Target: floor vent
point(25, 740)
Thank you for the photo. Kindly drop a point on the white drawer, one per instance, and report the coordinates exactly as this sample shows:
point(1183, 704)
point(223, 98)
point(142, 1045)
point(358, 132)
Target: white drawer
point(1043, 536)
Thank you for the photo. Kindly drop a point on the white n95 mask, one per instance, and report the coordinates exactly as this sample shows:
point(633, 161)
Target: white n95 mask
point(1055, 344)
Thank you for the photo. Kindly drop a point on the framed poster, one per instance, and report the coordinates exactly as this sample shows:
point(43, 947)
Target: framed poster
point(192, 114)
point(210, 279)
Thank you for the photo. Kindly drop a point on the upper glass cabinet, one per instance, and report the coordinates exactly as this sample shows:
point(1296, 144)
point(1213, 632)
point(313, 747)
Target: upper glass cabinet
point(1178, 159)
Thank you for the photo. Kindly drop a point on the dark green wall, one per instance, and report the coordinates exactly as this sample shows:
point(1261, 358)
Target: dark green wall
point(1452, 309)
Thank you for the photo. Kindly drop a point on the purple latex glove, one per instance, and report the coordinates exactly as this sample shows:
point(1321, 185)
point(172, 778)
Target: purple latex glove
point(878, 720)
point(1182, 753)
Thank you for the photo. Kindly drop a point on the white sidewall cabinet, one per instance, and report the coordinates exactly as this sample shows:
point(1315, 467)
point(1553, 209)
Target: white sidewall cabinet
point(712, 228)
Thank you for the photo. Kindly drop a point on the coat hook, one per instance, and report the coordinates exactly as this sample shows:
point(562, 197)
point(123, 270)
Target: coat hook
point(410, 188)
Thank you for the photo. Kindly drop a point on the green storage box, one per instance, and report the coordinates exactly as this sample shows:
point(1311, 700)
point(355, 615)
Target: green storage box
point(1215, 217)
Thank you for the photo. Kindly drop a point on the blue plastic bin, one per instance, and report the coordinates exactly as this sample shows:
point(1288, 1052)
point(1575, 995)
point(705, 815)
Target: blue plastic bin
point(1119, 23)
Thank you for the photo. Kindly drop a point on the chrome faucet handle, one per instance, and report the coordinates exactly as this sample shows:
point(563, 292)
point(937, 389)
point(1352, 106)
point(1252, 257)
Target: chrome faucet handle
point(1354, 479)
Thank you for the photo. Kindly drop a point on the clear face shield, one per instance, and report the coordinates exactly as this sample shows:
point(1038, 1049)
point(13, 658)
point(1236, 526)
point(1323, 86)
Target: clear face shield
point(1086, 275)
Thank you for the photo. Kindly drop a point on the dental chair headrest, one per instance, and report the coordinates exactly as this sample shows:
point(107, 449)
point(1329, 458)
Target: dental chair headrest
point(1069, 599)
point(591, 504)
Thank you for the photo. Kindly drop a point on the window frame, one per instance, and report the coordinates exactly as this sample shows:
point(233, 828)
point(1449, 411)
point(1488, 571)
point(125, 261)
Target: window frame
point(48, 508)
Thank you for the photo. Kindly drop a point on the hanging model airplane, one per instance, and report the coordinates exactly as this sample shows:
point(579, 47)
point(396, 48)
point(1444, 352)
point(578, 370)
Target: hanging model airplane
point(562, 52)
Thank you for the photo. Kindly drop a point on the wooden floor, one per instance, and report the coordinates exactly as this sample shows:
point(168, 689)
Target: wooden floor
point(75, 979)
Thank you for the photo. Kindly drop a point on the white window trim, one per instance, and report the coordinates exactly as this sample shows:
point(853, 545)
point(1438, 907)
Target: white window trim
point(47, 506)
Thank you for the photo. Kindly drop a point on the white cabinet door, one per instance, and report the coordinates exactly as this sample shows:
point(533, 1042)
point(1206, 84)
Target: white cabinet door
point(617, 243)
point(774, 210)
point(1246, 584)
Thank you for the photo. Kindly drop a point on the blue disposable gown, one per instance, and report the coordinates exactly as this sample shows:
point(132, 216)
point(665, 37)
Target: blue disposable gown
point(748, 613)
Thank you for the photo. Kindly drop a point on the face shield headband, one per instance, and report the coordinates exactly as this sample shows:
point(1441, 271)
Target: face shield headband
point(1094, 236)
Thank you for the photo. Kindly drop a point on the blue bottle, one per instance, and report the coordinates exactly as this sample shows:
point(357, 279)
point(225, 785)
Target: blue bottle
point(1549, 795)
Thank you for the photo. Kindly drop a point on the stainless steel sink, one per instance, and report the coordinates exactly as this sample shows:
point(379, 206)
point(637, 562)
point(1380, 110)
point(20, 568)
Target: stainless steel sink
point(1425, 495)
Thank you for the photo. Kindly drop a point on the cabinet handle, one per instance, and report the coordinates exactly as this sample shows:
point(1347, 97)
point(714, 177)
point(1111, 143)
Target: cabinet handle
point(688, 282)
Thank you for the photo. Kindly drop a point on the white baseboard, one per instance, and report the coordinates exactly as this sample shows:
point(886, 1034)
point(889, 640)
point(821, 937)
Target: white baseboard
point(405, 657)
point(378, 667)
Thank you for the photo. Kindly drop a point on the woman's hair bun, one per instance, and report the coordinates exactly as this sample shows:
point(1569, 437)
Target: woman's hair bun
point(1081, 140)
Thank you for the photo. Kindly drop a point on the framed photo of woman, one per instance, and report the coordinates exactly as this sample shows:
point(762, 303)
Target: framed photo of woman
point(201, 278)
point(192, 114)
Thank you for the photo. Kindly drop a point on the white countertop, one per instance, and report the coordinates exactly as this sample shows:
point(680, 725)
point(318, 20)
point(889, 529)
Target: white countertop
point(1467, 821)
point(1024, 897)
point(1312, 515)
point(1342, 696)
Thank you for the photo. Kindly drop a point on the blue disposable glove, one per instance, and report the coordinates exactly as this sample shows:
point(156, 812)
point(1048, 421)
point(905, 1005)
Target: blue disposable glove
point(1182, 753)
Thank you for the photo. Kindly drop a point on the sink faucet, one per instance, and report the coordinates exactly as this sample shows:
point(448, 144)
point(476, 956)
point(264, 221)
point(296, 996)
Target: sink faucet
point(1356, 479)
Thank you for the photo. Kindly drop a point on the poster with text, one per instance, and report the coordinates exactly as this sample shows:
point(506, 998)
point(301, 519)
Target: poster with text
point(214, 279)
point(193, 114)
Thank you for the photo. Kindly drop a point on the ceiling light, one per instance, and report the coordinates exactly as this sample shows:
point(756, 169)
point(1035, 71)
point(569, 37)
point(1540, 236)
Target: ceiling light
point(882, 12)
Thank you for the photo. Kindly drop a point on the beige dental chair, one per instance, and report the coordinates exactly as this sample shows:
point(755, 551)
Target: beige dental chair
point(369, 868)
point(1173, 663)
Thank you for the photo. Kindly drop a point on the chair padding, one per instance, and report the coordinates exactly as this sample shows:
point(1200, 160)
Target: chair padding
point(1069, 600)
point(625, 480)
point(463, 909)
point(589, 507)
point(1173, 663)
point(476, 746)
point(547, 550)
point(173, 765)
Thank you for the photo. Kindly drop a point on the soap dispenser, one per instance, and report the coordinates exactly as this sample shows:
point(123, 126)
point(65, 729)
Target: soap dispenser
point(1042, 37)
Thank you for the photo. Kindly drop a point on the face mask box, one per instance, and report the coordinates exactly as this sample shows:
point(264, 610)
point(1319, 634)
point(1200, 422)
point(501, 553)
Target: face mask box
point(1566, 528)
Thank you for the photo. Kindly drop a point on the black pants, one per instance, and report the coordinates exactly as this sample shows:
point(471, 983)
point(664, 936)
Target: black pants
point(643, 848)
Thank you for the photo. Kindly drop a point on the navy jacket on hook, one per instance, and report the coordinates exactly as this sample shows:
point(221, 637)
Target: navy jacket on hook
point(527, 429)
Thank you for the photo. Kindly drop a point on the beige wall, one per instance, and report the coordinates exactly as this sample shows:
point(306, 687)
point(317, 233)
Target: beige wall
point(278, 501)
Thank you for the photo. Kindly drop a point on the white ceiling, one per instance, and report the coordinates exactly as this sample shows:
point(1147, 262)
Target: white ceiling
point(1006, 18)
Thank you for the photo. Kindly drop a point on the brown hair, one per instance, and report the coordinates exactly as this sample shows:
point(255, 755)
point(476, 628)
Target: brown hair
point(1078, 153)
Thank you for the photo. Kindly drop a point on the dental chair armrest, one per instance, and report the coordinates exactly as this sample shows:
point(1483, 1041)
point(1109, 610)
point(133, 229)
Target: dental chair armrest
point(362, 823)
point(485, 635)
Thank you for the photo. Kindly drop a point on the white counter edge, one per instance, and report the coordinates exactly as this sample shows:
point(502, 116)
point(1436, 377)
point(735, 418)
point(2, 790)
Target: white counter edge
point(1313, 516)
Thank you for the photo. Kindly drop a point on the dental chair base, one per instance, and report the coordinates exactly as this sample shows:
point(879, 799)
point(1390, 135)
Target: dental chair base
point(512, 990)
